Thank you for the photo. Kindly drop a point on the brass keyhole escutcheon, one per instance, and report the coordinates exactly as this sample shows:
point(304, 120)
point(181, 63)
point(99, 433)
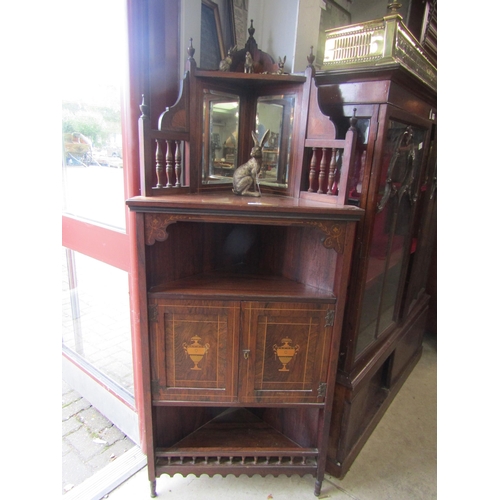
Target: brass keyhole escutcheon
point(246, 353)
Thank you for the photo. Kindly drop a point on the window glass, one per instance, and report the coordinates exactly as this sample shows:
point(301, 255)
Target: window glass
point(96, 316)
point(92, 56)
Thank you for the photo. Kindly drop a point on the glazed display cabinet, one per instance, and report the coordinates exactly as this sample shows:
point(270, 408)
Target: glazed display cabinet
point(379, 69)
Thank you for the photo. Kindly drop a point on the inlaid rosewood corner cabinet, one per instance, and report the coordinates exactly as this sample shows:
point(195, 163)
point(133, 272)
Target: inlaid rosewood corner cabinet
point(249, 364)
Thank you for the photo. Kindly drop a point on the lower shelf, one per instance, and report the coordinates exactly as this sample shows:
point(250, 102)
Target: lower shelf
point(236, 442)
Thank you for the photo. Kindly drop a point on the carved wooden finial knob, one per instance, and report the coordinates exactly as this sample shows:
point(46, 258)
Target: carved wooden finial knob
point(251, 30)
point(353, 120)
point(311, 57)
point(144, 107)
point(393, 7)
point(190, 49)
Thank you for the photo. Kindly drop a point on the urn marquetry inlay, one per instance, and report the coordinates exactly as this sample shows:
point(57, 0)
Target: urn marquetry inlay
point(285, 352)
point(195, 351)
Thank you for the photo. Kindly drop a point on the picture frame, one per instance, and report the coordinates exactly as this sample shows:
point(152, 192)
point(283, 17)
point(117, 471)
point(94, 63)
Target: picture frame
point(212, 41)
point(239, 14)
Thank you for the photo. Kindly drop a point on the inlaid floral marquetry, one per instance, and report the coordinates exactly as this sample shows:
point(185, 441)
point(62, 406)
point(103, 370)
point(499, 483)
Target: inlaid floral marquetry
point(156, 227)
point(335, 234)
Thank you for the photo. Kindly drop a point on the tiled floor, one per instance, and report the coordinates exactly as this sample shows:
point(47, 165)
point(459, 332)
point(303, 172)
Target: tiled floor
point(398, 462)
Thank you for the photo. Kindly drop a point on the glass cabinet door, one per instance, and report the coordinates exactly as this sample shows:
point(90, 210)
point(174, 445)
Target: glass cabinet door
point(391, 241)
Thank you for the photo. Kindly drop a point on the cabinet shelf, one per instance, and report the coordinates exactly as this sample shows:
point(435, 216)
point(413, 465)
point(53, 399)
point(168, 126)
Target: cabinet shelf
point(241, 285)
point(233, 440)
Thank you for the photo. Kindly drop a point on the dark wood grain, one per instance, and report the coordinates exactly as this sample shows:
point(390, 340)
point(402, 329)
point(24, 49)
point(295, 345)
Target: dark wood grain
point(251, 307)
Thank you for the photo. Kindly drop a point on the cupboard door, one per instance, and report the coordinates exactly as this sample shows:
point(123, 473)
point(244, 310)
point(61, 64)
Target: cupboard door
point(193, 350)
point(284, 352)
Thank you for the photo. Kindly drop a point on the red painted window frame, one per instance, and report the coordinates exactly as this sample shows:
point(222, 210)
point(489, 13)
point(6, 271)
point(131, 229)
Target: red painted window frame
point(152, 70)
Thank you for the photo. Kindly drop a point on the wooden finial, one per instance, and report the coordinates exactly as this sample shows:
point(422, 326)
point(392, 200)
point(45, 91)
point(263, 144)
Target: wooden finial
point(144, 107)
point(311, 57)
point(353, 120)
point(251, 30)
point(190, 49)
point(251, 45)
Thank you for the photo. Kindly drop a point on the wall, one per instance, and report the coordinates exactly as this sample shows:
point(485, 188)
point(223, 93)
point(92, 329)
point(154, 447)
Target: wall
point(366, 10)
point(190, 23)
point(307, 32)
point(275, 24)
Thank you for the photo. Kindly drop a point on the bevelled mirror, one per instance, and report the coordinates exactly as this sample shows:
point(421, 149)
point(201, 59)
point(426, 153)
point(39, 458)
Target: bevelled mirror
point(220, 137)
point(276, 114)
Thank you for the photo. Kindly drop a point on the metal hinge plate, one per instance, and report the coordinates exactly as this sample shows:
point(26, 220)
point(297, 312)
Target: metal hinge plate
point(330, 317)
point(322, 390)
point(153, 313)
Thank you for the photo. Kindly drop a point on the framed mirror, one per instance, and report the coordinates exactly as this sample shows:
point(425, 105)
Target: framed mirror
point(220, 133)
point(275, 113)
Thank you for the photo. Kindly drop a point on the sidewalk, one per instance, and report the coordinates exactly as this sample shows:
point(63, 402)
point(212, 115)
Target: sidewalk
point(90, 442)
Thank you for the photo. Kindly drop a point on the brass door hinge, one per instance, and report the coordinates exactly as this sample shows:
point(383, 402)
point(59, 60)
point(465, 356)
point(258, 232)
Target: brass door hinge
point(153, 313)
point(322, 390)
point(329, 318)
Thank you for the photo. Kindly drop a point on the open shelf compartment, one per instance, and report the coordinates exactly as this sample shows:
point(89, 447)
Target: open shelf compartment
point(237, 438)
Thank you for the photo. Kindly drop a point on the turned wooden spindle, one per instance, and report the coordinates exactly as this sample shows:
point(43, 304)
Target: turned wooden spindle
point(160, 165)
point(332, 173)
point(178, 166)
point(322, 171)
point(170, 163)
point(312, 171)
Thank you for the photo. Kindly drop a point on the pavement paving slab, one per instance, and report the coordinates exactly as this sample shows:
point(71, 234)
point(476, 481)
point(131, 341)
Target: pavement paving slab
point(90, 441)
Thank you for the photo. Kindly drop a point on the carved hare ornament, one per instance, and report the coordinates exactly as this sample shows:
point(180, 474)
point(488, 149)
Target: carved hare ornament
point(281, 66)
point(246, 175)
point(225, 64)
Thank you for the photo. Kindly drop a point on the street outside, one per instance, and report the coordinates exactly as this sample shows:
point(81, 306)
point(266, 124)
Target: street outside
point(96, 193)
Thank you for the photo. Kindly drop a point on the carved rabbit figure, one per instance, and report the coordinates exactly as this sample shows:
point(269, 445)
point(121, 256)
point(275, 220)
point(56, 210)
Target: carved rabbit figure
point(225, 64)
point(281, 66)
point(246, 175)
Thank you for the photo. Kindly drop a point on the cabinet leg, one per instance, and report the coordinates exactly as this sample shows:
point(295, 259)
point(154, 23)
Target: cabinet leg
point(152, 485)
point(317, 487)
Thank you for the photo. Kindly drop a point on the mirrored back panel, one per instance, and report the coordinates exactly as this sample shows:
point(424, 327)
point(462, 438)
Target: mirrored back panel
point(221, 123)
point(221, 113)
point(275, 113)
